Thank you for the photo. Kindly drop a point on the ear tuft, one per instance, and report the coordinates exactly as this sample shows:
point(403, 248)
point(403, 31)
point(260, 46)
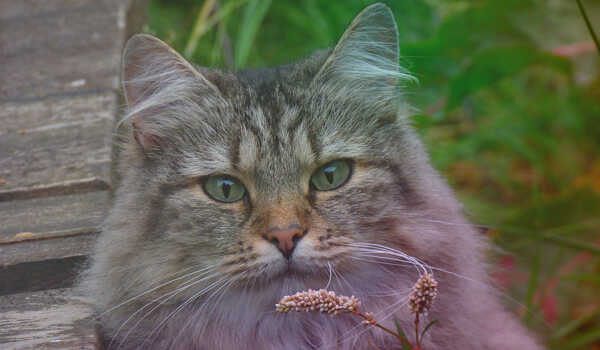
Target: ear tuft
point(155, 80)
point(365, 59)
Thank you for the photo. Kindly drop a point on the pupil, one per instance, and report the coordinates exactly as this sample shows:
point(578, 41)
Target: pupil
point(226, 187)
point(329, 174)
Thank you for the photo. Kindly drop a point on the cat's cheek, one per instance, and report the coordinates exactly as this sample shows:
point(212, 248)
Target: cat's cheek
point(303, 251)
point(307, 257)
point(269, 256)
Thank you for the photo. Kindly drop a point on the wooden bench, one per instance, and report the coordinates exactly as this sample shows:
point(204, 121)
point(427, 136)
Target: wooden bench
point(59, 101)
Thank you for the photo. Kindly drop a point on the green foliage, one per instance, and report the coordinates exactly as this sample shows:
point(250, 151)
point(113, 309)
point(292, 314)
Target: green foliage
point(512, 125)
point(431, 323)
point(401, 332)
point(492, 64)
point(254, 13)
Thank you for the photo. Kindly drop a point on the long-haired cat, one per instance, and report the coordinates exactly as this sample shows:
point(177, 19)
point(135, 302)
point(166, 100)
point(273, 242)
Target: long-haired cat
point(240, 188)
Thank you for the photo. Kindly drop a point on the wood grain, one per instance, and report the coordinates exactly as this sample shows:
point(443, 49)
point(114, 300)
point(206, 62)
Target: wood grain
point(56, 139)
point(68, 47)
point(52, 319)
point(51, 214)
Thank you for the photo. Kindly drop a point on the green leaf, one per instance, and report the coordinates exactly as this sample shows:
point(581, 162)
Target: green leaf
point(431, 323)
point(401, 332)
point(493, 64)
point(585, 338)
point(574, 325)
point(255, 12)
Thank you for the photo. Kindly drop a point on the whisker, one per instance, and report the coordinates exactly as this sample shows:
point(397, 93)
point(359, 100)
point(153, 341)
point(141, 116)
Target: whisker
point(183, 305)
point(367, 249)
point(218, 296)
point(224, 286)
point(330, 275)
point(378, 250)
point(153, 289)
point(394, 262)
point(166, 297)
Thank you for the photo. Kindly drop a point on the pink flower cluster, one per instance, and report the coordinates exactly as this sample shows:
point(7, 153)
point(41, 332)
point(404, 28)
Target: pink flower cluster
point(423, 293)
point(318, 300)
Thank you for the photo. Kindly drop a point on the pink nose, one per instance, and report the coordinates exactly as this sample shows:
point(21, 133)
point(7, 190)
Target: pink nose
point(285, 238)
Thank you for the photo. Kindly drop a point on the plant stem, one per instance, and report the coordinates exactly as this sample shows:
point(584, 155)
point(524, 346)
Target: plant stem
point(417, 340)
point(588, 24)
point(199, 27)
point(402, 339)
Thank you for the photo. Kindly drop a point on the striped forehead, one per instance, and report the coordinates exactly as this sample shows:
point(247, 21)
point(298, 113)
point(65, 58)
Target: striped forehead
point(278, 143)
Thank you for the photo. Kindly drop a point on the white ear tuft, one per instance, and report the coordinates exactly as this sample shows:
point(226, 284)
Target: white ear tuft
point(155, 78)
point(366, 57)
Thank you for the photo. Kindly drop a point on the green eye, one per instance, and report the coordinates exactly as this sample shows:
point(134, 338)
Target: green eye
point(224, 188)
point(331, 175)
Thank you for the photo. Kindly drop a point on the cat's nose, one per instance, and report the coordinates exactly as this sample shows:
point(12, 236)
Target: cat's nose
point(285, 239)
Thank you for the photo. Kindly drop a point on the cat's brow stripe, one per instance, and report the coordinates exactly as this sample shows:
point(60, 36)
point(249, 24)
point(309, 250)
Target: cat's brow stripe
point(234, 150)
point(255, 130)
point(314, 143)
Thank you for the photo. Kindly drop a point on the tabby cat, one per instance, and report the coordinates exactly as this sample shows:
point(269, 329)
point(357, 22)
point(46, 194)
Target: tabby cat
point(240, 188)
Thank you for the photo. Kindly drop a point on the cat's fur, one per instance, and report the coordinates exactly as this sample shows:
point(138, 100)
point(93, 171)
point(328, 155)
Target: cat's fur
point(174, 269)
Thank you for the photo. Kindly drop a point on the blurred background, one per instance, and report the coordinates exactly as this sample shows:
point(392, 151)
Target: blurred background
point(508, 103)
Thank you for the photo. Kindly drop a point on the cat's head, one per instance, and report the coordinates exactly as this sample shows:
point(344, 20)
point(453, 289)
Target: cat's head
point(270, 179)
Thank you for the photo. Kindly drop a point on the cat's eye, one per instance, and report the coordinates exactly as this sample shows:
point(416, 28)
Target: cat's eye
point(224, 188)
point(332, 175)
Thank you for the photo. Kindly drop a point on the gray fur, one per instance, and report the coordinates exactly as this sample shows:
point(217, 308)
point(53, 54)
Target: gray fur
point(174, 269)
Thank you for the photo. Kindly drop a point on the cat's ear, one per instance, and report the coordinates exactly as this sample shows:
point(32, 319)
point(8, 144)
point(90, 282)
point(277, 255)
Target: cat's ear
point(154, 79)
point(366, 57)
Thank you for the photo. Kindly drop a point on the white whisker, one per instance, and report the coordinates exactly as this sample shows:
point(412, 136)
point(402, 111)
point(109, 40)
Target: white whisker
point(184, 304)
point(153, 289)
point(166, 297)
point(330, 275)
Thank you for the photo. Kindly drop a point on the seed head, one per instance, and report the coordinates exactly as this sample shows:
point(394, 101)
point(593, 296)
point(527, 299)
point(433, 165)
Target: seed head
point(318, 300)
point(423, 293)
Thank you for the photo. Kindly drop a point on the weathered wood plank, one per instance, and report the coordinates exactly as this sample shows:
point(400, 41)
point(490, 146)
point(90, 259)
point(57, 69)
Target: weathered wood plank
point(54, 248)
point(63, 47)
point(88, 24)
point(47, 217)
point(35, 8)
point(70, 50)
point(56, 139)
point(53, 319)
point(54, 189)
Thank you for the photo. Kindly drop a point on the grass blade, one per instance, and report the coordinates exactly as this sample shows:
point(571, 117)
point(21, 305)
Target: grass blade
point(574, 325)
point(200, 27)
point(583, 339)
point(254, 14)
point(588, 24)
point(427, 327)
point(401, 332)
point(203, 25)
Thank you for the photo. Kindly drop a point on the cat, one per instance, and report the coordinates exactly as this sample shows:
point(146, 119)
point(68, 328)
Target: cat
point(240, 188)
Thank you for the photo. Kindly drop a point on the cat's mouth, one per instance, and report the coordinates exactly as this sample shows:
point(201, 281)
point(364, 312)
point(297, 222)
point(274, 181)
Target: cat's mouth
point(284, 270)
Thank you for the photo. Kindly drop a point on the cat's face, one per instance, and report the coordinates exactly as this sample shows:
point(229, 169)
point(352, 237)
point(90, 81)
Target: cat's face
point(273, 187)
point(267, 182)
